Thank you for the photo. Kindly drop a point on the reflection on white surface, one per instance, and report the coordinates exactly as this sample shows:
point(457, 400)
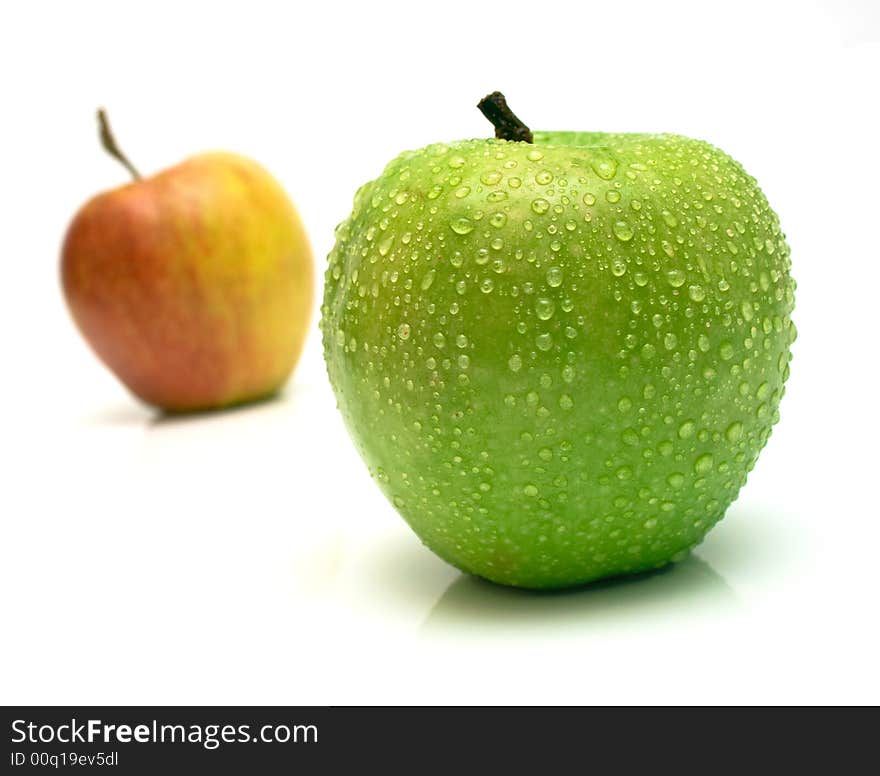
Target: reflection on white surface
point(471, 604)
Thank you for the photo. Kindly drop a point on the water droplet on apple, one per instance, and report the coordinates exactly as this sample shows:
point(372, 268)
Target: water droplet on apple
point(675, 480)
point(605, 168)
point(675, 278)
point(540, 206)
point(704, 463)
point(623, 231)
point(696, 293)
point(544, 341)
point(544, 308)
point(385, 245)
point(462, 225)
point(734, 431)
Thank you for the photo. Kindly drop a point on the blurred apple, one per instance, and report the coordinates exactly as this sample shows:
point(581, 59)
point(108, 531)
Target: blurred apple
point(194, 286)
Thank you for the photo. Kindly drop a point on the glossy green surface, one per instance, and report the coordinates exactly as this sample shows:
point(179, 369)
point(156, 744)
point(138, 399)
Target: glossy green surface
point(560, 360)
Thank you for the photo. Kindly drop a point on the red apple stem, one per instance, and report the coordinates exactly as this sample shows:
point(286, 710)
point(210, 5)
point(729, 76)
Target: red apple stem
point(108, 141)
point(507, 126)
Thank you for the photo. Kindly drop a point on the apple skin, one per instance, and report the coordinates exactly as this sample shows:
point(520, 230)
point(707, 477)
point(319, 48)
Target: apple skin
point(560, 361)
point(194, 286)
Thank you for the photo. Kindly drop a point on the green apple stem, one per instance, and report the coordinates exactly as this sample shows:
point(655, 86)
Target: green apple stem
point(112, 147)
point(507, 126)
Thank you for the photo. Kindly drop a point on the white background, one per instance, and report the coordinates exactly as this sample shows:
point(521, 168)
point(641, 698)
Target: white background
point(246, 557)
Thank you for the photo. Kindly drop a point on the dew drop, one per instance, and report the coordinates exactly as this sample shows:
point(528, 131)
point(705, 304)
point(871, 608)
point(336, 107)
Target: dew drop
point(630, 436)
point(544, 308)
point(675, 278)
point(704, 463)
point(385, 245)
point(605, 168)
point(675, 480)
point(670, 220)
point(734, 431)
point(554, 277)
point(462, 225)
point(540, 206)
point(696, 293)
point(622, 231)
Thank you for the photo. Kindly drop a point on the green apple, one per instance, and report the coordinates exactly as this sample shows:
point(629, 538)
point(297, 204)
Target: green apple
point(559, 355)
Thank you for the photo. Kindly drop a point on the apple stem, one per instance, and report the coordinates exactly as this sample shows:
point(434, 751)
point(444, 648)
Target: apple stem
point(111, 147)
point(507, 126)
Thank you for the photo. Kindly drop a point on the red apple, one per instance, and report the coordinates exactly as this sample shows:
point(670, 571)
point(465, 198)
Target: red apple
point(194, 286)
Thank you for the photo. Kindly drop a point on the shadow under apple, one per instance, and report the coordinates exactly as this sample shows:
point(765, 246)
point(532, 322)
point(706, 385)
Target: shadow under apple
point(478, 605)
